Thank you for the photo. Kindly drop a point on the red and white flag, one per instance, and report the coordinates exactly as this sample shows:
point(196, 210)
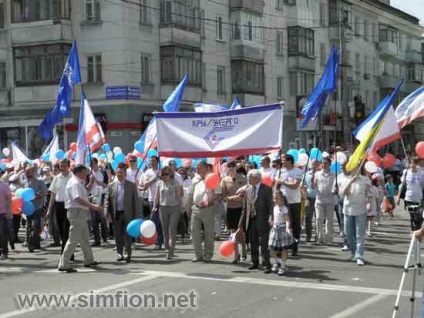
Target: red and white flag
point(412, 107)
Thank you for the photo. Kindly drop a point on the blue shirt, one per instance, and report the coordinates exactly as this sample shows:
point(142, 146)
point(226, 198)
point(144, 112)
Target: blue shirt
point(312, 193)
point(391, 189)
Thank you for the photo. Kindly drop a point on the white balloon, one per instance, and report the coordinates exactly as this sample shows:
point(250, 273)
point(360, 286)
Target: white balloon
point(148, 229)
point(325, 154)
point(109, 156)
point(371, 166)
point(6, 152)
point(95, 155)
point(302, 160)
point(117, 150)
point(341, 157)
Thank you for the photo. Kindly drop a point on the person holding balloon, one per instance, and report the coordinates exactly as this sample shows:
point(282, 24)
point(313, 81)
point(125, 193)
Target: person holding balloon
point(5, 217)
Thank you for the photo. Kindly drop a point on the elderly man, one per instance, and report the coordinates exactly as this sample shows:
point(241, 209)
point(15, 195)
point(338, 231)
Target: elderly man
point(257, 209)
point(121, 203)
point(78, 206)
point(201, 207)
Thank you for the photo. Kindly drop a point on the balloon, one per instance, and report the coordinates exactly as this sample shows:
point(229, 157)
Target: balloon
point(194, 163)
point(28, 208)
point(117, 150)
point(18, 192)
point(148, 229)
point(2, 166)
point(140, 162)
point(302, 150)
point(227, 248)
point(120, 157)
point(316, 154)
point(28, 194)
point(152, 152)
point(374, 157)
point(388, 161)
point(178, 162)
point(59, 154)
point(212, 181)
point(371, 166)
point(139, 146)
point(109, 155)
point(335, 167)
point(73, 146)
point(341, 157)
point(114, 165)
point(133, 228)
point(266, 179)
point(294, 153)
point(303, 159)
point(419, 149)
point(149, 241)
point(17, 203)
point(95, 155)
point(6, 152)
point(103, 157)
point(106, 147)
point(45, 157)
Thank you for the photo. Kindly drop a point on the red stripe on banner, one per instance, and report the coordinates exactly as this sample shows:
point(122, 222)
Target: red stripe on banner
point(408, 120)
point(97, 145)
point(223, 153)
point(381, 143)
point(110, 126)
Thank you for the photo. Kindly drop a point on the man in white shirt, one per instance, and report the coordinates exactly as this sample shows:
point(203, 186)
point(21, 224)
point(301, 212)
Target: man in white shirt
point(78, 205)
point(135, 175)
point(266, 169)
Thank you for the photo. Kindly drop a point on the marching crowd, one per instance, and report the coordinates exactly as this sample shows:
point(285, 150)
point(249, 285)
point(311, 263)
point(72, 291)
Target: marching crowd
point(264, 209)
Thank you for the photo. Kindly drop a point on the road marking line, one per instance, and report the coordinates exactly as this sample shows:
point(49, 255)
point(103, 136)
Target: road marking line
point(4, 270)
point(282, 283)
point(359, 306)
point(23, 311)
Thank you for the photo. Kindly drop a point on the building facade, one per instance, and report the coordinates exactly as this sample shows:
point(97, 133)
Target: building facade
point(133, 53)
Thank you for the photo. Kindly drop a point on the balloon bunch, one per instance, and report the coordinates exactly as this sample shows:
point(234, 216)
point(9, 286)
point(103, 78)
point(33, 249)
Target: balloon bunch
point(22, 201)
point(143, 229)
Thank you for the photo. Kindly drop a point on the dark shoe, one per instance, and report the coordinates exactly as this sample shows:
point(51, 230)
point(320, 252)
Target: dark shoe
point(95, 244)
point(128, 259)
point(244, 257)
point(236, 261)
point(207, 259)
point(68, 270)
point(120, 258)
point(31, 250)
point(253, 266)
point(267, 270)
point(294, 253)
point(3, 257)
point(95, 263)
point(196, 260)
point(54, 244)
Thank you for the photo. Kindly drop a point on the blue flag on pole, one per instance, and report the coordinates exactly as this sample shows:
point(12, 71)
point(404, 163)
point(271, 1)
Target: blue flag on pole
point(172, 104)
point(71, 75)
point(326, 85)
point(236, 104)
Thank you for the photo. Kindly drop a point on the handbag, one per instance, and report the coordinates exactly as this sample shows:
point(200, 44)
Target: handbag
point(402, 191)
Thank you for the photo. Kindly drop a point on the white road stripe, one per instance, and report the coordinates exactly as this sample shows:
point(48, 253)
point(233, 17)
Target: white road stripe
point(11, 270)
point(359, 306)
point(282, 283)
point(19, 312)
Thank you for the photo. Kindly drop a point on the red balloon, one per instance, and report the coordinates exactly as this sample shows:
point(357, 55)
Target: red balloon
point(227, 248)
point(389, 161)
point(73, 146)
point(374, 157)
point(419, 149)
point(212, 181)
point(149, 241)
point(16, 205)
point(266, 179)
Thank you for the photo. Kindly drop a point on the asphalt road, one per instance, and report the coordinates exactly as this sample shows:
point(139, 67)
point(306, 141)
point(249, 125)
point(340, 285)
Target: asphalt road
point(321, 283)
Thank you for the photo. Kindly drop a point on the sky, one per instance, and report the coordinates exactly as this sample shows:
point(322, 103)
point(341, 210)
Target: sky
point(413, 7)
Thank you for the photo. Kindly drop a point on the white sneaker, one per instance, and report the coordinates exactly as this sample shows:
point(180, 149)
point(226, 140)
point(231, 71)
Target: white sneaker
point(275, 267)
point(360, 262)
point(345, 248)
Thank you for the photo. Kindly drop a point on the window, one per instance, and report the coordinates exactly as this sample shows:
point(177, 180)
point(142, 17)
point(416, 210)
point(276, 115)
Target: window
point(322, 9)
point(301, 41)
point(92, 10)
point(145, 68)
point(366, 30)
point(366, 65)
point(39, 64)
point(144, 11)
point(375, 67)
point(94, 69)
point(3, 75)
point(37, 10)
point(280, 83)
point(357, 26)
point(247, 26)
point(279, 42)
point(279, 4)
point(182, 14)
point(219, 28)
point(301, 83)
point(248, 77)
point(322, 54)
point(177, 61)
point(357, 62)
point(290, 2)
point(388, 34)
point(2, 15)
point(221, 83)
point(374, 99)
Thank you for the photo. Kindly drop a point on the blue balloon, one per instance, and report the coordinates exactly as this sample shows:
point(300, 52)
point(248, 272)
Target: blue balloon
point(106, 147)
point(302, 150)
point(139, 146)
point(133, 228)
point(59, 154)
point(194, 163)
point(45, 157)
point(3, 166)
point(28, 194)
point(140, 162)
point(178, 162)
point(335, 167)
point(316, 154)
point(294, 153)
point(28, 208)
point(120, 157)
point(114, 165)
point(103, 157)
point(152, 152)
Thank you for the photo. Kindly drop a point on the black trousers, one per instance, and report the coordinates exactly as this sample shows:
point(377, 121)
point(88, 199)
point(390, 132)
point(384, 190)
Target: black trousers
point(62, 223)
point(16, 221)
point(3, 234)
point(121, 237)
point(295, 223)
point(258, 238)
point(33, 229)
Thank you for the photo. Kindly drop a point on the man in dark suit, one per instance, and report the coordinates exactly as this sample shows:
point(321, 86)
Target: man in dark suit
point(121, 202)
point(257, 209)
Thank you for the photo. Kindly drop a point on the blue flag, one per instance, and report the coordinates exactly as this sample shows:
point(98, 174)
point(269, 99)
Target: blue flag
point(236, 104)
point(326, 85)
point(172, 104)
point(71, 75)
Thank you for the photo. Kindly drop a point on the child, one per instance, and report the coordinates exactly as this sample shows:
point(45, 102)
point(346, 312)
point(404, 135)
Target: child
point(391, 192)
point(372, 206)
point(280, 237)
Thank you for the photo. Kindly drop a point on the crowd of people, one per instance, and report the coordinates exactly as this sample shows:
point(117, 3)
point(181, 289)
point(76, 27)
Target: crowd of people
point(267, 218)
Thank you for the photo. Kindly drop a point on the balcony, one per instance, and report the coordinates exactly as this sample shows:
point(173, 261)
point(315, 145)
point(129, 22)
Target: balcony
point(241, 49)
point(172, 36)
point(334, 34)
point(411, 86)
point(414, 56)
point(47, 31)
point(388, 81)
point(300, 62)
point(251, 5)
point(388, 49)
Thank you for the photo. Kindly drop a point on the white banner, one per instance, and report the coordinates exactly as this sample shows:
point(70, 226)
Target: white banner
point(251, 130)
